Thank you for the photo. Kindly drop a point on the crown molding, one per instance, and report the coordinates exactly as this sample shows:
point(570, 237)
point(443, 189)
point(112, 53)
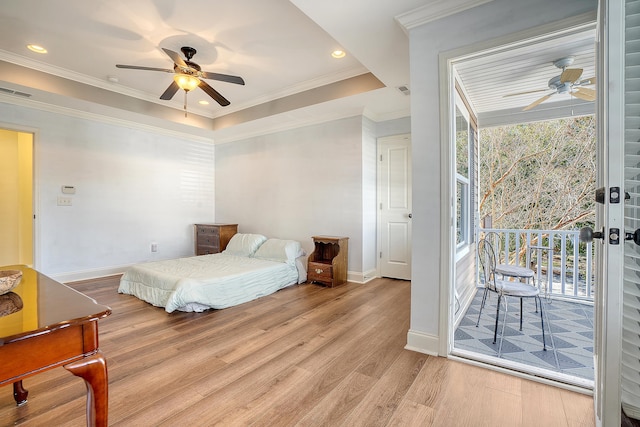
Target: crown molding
point(23, 61)
point(182, 133)
point(435, 10)
point(327, 79)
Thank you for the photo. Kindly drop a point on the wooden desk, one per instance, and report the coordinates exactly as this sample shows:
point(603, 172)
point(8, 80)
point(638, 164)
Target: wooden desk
point(56, 326)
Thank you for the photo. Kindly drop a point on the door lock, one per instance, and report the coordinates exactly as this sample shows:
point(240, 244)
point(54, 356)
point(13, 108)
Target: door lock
point(600, 195)
point(614, 236)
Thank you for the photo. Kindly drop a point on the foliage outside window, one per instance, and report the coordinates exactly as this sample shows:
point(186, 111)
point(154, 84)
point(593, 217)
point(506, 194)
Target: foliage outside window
point(539, 175)
point(463, 137)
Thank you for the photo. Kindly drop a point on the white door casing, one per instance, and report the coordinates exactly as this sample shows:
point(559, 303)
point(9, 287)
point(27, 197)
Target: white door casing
point(609, 257)
point(394, 200)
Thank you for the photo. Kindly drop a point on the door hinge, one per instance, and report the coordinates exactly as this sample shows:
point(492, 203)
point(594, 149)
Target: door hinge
point(380, 255)
point(380, 205)
point(380, 157)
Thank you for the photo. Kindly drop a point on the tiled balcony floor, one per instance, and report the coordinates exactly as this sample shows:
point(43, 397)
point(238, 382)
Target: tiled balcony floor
point(568, 329)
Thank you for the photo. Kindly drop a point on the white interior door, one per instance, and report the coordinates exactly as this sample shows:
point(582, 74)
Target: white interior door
point(394, 196)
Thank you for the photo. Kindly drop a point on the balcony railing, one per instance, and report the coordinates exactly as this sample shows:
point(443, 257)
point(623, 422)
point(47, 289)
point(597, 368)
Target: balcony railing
point(562, 264)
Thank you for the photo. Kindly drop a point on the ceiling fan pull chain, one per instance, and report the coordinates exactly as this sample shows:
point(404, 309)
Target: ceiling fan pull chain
point(185, 103)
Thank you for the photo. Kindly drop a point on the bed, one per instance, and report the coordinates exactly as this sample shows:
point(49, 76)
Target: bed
point(251, 267)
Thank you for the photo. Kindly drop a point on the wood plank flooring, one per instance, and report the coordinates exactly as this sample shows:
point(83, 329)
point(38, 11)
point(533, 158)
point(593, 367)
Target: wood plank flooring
point(304, 356)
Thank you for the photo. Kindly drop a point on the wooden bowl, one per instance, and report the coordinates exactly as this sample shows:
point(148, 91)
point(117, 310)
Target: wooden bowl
point(9, 279)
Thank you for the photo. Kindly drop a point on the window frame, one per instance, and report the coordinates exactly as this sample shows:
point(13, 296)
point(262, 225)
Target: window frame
point(464, 199)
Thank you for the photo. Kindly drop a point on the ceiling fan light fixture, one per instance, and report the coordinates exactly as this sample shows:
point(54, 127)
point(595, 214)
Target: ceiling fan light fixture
point(186, 82)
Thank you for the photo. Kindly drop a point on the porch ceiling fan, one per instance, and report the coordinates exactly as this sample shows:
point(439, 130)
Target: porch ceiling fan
point(569, 81)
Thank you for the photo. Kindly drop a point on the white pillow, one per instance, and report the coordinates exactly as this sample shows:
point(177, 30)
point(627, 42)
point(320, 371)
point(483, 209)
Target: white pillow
point(279, 251)
point(242, 244)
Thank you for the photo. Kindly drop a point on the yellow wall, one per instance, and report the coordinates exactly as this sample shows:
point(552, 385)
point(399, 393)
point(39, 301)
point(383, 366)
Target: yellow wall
point(16, 194)
point(25, 195)
point(27, 318)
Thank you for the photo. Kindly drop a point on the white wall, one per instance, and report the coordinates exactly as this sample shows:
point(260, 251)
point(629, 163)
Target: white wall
point(296, 184)
point(488, 21)
point(393, 127)
point(133, 187)
point(369, 198)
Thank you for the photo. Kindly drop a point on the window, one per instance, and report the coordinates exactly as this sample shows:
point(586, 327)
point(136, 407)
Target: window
point(463, 140)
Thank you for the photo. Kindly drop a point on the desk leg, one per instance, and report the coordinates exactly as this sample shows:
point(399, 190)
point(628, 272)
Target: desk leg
point(20, 393)
point(93, 370)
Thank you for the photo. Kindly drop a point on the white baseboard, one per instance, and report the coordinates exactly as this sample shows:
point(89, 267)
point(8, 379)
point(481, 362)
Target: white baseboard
point(422, 343)
point(89, 274)
point(361, 277)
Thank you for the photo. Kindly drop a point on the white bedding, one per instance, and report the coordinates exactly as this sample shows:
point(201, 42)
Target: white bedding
point(208, 281)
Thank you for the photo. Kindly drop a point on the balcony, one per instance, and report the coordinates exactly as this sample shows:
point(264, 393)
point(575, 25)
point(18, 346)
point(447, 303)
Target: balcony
point(562, 264)
point(564, 274)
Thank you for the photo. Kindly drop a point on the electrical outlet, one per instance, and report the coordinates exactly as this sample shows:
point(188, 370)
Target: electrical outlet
point(154, 247)
point(64, 201)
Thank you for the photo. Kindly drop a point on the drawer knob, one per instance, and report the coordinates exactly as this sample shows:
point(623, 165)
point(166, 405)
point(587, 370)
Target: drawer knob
point(319, 271)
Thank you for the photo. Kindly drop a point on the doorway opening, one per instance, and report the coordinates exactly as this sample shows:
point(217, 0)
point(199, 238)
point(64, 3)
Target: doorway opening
point(16, 192)
point(507, 192)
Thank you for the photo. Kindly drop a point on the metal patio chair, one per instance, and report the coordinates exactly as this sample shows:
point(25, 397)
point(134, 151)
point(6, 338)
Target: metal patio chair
point(504, 288)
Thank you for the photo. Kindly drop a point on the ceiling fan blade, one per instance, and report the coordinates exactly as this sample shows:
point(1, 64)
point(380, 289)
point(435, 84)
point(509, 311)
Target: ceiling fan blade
point(585, 93)
point(587, 82)
point(524, 93)
point(537, 102)
point(223, 77)
point(175, 57)
point(136, 67)
point(214, 94)
point(570, 75)
point(171, 90)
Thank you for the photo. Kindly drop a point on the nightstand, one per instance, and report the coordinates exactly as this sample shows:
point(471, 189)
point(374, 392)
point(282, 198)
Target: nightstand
point(328, 261)
point(213, 238)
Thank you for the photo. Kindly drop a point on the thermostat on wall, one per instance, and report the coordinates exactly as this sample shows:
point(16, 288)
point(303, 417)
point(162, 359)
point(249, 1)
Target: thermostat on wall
point(68, 189)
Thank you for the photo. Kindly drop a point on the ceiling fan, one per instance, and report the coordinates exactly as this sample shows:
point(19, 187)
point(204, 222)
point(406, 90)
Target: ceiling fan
point(567, 82)
point(188, 75)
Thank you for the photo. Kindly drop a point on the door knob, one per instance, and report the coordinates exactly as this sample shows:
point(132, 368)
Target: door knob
point(410, 216)
point(587, 234)
point(635, 236)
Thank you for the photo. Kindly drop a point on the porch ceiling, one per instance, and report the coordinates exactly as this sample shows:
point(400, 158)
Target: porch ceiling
point(488, 77)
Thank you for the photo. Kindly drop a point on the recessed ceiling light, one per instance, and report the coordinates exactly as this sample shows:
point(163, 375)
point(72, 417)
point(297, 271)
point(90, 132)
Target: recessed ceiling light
point(36, 48)
point(203, 102)
point(338, 53)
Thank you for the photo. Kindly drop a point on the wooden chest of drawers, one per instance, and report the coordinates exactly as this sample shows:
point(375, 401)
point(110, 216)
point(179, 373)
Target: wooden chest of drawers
point(213, 238)
point(328, 261)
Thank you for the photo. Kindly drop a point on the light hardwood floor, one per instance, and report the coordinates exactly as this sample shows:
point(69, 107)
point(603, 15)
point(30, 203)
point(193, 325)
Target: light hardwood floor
point(305, 356)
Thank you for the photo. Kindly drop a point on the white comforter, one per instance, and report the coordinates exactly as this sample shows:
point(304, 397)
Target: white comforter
point(208, 281)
